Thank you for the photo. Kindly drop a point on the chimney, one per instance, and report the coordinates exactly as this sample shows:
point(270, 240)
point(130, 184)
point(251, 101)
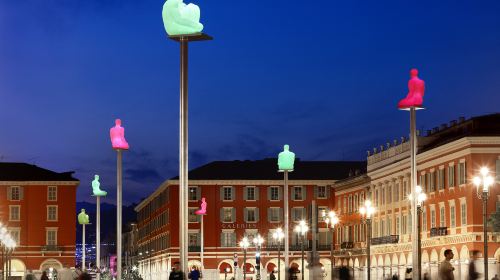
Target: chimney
point(443, 126)
point(453, 122)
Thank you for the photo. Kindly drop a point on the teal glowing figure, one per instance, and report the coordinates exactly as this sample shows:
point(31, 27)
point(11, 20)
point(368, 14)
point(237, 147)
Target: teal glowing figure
point(96, 187)
point(180, 19)
point(83, 218)
point(286, 159)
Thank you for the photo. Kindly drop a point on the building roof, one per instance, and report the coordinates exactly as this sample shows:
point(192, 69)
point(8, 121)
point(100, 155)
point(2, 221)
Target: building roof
point(267, 169)
point(18, 171)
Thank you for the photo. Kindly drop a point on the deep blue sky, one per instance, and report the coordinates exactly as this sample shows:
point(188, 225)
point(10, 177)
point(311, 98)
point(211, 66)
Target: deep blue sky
point(322, 76)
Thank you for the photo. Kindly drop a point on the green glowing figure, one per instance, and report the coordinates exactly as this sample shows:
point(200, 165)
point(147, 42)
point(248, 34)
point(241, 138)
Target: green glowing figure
point(96, 187)
point(286, 159)
point(180, 19)
point(83, 218)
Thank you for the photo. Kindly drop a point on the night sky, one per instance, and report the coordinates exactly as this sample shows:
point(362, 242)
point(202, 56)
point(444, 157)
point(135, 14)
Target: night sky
point(322, 76)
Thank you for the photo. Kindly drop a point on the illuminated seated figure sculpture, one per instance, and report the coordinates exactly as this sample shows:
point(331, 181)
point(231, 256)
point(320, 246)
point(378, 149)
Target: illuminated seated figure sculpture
point(83, 218)
point(117, 134)
point(96, 187)
point(286, 159)
point(416, 88)
point(203, 209)
point(179, 18)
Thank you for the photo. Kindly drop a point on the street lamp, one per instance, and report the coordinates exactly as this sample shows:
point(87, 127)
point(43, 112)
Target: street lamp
point(484, 180)
point(367, 211)
point(244, 243)
point(226, 271)
point(421, 197)
point(257, 241)
point(278, 235)
point(332, 220)
point(302, 229)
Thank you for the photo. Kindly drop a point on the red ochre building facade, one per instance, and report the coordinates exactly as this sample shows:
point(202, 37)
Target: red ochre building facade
point(448, 158)
point(244, 198)
point(38, 208)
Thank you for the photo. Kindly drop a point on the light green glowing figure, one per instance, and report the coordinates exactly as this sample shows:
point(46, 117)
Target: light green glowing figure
point(83, 218)
point(180, 19)
point(286, 159)
point(96, 187)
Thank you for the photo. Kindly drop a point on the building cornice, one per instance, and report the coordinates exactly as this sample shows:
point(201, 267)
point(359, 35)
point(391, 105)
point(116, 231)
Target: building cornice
point(39, 183)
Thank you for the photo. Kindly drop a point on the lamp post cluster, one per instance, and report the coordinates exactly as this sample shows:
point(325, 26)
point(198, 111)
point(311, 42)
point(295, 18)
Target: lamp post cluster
point(483, 183)
point(331, 221)
point(302, 229)
point(244, 244)
point(257, 241)
point(367, 211)
point(8, 245)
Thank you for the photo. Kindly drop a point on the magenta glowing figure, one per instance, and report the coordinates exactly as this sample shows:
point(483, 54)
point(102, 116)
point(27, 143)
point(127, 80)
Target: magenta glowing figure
point(416, 88)
point(117, 134)
point(203, 209)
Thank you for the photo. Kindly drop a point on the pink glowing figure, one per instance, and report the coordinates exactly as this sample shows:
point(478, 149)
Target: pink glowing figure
point(117, 134)
point(203, 209)
point(416, 88)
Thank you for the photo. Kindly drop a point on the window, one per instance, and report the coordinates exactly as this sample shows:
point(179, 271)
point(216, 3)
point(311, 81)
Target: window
point(421, 180)
point(52, 193)
point(192, 217)
point(227, 193)
point(362, 235)
point(389, 229)
point(451, 176)
point(298, 214)
point(432, 178)
point(389, 194)
point(382, 194)
point(321, 192)
point(405, 189)
point(404, 225)
point(250, 193)
point(194, 194)
point(15, 234)
point(382, 228)
point(251, 215)
point(452, 216)
point(194, 239)
point(14, 213)
point(15, 193)
point(376, 198)
point(324, 238)
point(462, 177)
point(345, 204)
point(356, 239)
point(349, 204)
point(51, 237)
point(442, 218)
point(228, 239)
point(463, 214)
point(227, 215)
point(397, 226)
point(274, 193)
point(361, 199)
point(52, 213)
point(441, 179)
point(274, 214)
point(396, 192)
point(339, 205)
point(298, 193)
point(409, 222)
point(433, 218)
point(424, 220)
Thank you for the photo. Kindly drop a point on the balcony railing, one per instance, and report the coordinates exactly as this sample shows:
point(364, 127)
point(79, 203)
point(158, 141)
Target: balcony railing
point(194, 248)
point(439, 231)
point(390, 239)
point(51, 248)
point(346, 245)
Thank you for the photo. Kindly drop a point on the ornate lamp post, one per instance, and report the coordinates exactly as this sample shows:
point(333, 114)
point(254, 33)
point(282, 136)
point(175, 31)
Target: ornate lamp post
point(367, 211)
point(302, 229)
point(257, 241)
point(421, 197)
point(331, 220)
point(484, 180)
point(244, 243)
point(278, 236)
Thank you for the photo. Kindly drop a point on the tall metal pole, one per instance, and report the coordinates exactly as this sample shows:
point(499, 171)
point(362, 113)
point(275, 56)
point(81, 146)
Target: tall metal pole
point(413, 177)
point(244, 264)
point(183, 156)
point(83, 248)
point(419, 240)
point(279, 258)
point(485, 233)
point(332, 260)
point(118, 214)
point(368, 243)
point(287, 225)
point(98, 237)
point(201, 245)
point(303, 269)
